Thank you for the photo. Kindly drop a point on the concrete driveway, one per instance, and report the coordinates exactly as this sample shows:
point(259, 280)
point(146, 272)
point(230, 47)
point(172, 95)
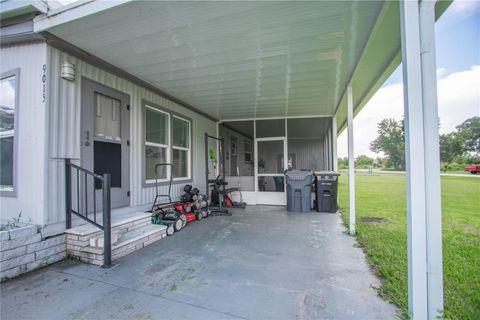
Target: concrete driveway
point(260, 263)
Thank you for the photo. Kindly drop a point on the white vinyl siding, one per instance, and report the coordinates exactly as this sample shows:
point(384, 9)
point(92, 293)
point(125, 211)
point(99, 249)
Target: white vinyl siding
point(27, 62)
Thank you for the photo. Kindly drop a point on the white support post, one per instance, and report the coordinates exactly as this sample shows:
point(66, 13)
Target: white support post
point(351, 161)
point(432, 160)
point(334, 143)
point(425, 285)
point(329, 146)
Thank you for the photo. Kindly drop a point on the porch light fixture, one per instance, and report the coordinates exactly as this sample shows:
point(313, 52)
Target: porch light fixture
point(67, 71)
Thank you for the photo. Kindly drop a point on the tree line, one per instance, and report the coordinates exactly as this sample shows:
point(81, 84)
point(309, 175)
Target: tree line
point(457, 148)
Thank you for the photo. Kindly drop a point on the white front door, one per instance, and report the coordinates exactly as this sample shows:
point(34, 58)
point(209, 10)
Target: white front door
point(269, 170)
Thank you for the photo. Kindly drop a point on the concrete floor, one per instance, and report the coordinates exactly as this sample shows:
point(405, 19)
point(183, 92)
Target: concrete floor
point(259, 263)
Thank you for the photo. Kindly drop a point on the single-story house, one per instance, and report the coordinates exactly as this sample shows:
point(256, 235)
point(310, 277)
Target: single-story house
point(119, 86)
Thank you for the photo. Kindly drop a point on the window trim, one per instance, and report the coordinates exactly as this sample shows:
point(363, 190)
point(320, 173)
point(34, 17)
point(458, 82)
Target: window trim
point(151, 183)
point(16, 73)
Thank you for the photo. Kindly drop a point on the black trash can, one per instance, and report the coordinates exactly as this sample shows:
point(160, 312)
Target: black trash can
point(326, 187)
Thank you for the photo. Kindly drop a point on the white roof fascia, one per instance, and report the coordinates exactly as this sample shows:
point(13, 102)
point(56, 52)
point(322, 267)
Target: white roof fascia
point(10, 8)
point(73, 11)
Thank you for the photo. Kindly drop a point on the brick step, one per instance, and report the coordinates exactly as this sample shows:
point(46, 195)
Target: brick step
point(122, 224)
point(127, 243)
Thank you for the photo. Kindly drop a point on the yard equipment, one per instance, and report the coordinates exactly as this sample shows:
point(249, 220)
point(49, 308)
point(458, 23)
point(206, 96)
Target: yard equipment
point(223, 196)
point(200, 204)
point(220, 197)
point(156, 219)
point(192, 204)
point(164, 213)
point(156, 202)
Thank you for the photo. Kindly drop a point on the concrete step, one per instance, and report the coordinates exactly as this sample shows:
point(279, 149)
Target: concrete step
point(127, 243)
point(99, 241)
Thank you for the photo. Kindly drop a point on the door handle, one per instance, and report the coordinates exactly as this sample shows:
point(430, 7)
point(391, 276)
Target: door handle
point(87, 138)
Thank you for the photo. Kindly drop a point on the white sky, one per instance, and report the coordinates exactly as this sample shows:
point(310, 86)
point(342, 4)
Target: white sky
point(458, 99)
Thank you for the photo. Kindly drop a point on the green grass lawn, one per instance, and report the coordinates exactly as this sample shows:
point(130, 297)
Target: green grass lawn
point(385, 241)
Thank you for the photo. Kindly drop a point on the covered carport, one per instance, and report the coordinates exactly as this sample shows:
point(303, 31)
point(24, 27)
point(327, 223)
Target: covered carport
point(284, 60)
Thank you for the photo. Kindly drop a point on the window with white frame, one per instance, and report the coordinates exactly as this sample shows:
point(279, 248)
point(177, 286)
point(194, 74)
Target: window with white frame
point(8, 105)
point(160, 147)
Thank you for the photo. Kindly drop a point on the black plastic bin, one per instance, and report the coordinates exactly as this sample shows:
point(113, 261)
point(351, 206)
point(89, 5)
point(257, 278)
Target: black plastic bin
point(326, 187)
point(299, 190)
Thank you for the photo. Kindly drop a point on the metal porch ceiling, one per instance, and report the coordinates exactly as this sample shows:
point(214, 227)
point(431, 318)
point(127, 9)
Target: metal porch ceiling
point(233, 59)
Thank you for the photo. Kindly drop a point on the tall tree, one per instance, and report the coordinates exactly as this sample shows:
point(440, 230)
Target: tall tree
point(391, 142)
point(364, 161)
point(469, 130)
point(451, 146)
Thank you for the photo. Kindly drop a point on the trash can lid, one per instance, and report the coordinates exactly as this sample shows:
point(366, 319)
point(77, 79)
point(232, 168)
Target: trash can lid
point(297, 175)
point(326, 173)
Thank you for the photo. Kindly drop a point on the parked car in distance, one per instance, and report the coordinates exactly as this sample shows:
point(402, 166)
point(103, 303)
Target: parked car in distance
point(473, 169)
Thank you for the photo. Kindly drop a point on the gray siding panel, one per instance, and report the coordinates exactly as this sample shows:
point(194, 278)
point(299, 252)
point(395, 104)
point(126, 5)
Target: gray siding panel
point(64, 130)
point(29, 58)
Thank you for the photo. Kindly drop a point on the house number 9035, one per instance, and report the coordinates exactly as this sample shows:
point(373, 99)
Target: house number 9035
point(44, 80)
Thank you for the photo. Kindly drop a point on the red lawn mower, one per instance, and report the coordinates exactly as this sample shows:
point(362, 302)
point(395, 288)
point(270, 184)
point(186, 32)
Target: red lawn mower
point(192, 204)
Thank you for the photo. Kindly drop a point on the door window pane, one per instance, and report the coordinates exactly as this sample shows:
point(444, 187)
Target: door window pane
point(107, 117)
point(270, 157)
point(180, 163)
point(181, 133)
point(156, 126)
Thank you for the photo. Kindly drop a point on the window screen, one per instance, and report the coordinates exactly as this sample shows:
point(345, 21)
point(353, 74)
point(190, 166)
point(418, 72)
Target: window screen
point(181, 133)
point(156, 126)
point(180, 163)
point(305, 142)
point(153, 156)
point(180, 147)
point(270, 128)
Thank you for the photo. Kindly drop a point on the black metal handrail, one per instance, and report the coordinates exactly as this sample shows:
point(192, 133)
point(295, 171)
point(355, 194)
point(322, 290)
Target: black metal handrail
point(83, 214)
